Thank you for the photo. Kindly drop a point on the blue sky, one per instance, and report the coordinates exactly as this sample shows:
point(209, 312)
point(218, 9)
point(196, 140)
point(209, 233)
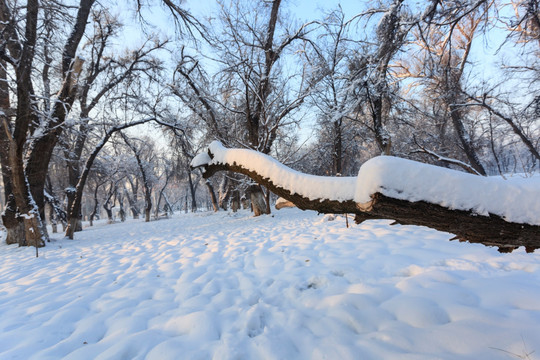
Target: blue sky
point(304, 9)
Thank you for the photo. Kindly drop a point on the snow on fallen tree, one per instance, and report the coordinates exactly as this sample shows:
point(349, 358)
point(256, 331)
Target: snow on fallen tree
point(490, 211)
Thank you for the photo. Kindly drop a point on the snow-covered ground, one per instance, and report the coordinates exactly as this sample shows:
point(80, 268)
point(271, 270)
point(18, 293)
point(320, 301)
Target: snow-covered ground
point(293, 285)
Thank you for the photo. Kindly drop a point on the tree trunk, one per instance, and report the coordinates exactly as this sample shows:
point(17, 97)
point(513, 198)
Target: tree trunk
point(14, 138)
point(121, 212)
point(73, 158)
point(70, 194)
point(52, 219)
point(192, 192)
point(168, 205)
point(212, 194)
point(235, 200)
point(224, 193)
point(108, 210)
point(337, 155)
point(378, 110)
point(14, 225)
point(147, 203)
point(465, 140)
point(133, 206)
point(34, 229)
point(146, 185)
point(108, 205)
point(267, 199)
point(96, 206)
point(110, 218)
point(258, 203)
point(133, 202)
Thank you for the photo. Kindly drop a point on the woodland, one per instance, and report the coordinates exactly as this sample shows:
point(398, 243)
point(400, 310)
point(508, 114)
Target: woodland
point(103, 106)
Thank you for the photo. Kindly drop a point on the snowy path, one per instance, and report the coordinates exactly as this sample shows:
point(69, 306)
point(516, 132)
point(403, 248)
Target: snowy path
point(293, 286)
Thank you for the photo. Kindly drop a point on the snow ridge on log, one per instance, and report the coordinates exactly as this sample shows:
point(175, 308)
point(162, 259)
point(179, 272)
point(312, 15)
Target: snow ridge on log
point(310, 186)
point(474, 208)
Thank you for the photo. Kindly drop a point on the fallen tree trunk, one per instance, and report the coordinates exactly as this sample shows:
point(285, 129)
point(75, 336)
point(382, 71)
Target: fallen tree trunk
point(489, 230)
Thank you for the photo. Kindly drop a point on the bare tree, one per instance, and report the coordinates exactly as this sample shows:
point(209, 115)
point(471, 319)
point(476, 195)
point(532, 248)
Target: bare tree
point(142, 154)
point(28, 177)
point(444, 48)
point(255, 98)
point(331, 98)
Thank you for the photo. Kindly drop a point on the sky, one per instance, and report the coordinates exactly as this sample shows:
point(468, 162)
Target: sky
point(304, 9)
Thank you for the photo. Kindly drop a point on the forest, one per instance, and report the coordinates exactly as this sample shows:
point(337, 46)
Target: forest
point(103, 107)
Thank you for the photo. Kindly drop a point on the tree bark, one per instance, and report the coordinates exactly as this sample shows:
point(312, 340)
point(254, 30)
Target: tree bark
point(52, 219)
point(15, 137)
point(13, 224)
point(337, 154)
point(468, 148)
point(96, 206)
point(35, 232)
point(258, 202)
point(108, 205)
point(224, 193)
point(73, 158)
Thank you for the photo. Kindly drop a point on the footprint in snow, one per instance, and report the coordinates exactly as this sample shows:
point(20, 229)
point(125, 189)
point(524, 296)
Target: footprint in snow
point(256, 322)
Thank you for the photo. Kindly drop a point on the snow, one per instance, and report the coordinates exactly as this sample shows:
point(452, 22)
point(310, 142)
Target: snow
point(27, 216)
point(292, 285)
point(201, 159)
point(311, 186)
point(515, 200)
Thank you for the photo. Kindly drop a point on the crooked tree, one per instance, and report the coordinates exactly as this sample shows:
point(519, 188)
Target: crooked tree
point(490, 230)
